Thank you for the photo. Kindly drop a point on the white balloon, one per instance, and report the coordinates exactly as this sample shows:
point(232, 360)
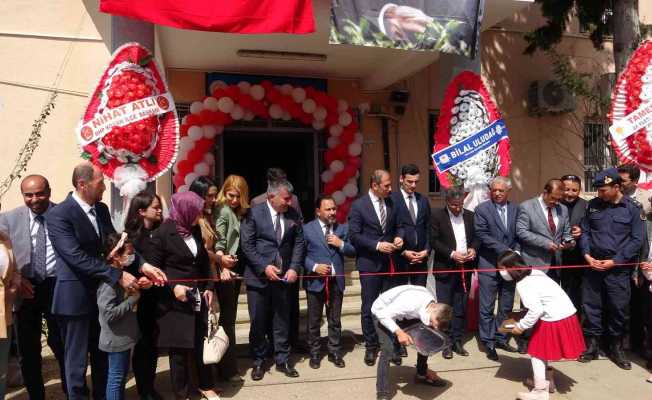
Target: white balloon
point(209, 158)
point(336, 166)
point(175, 168)
point(210, 131)
point(327, 176)
point(257, 92)
point(202, 169)
point(196, 107)
point(355, 149)
point(309, 106)
point(286, 89)
point(286, 116)
point(181, 155)
point(195, 133)
point(186, 143)
point(184, 120)
point(320, 113)
point(335, 130)
point(345, 119)
point(318, 125)
point(225, 104)
point(342, 105)
point(332, 142)
point(244, 86)
point(298, 94)
point(182, 189)
point(350, 190)
point(275, 111)
point(249, 116)
point(359, 138)
point(217, 85)
point(210, 103)
point(190, 178)
point(339, 197)
point(237, 113)
point(353, 181)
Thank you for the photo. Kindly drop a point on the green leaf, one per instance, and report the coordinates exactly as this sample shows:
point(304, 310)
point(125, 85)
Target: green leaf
point(86, 155)
point(145, 60)
point(102, 160)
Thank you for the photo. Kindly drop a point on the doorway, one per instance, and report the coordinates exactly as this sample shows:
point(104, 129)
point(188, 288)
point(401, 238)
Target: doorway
point(250, 152)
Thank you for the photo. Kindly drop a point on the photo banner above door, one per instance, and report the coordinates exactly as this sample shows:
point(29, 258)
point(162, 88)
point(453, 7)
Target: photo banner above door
point(449, 26)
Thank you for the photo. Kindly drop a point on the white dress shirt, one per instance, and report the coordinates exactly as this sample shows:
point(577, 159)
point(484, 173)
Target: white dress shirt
point(323, 230)
point(459, 231)
point(87, 210)
point(273, 213)
point(543, 298)
point(374, 202)
point(192, 244)
point(50, 257)
point(402, 302)
point(407, 201)
point(544, 207)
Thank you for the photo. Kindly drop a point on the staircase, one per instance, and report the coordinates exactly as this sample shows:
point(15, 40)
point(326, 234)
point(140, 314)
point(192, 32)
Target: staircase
point(350, 307)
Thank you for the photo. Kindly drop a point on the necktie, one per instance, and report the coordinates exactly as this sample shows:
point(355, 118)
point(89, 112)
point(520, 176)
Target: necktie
point(38, 262)
point(413, 213)
point(383, 215)
point(551, 222)
point(327, 231)
point(503, 216)
point(96, 226)
point(278, 229)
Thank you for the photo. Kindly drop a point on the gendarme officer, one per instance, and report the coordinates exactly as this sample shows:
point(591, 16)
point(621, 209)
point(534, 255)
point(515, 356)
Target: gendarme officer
point(611, 236)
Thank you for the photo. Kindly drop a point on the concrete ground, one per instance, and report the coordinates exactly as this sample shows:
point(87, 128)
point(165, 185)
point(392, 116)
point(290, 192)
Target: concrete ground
point(473, 377)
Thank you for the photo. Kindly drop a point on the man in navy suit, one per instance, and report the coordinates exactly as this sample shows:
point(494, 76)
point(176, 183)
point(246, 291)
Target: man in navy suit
point(376, 235)
point(77, 227)
point(495, 227)
point(326, 245)
point(271, 238)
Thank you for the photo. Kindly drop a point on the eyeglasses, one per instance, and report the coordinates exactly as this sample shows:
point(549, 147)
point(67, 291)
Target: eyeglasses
point(573, 178)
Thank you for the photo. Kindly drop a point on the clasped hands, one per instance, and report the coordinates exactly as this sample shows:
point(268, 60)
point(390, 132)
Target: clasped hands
point(599, 265)
point(389, 248)
point(272, 272)
point(415, 257)
point(461, 258)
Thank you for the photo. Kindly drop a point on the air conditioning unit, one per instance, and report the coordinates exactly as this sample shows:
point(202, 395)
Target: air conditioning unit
point(549, 97)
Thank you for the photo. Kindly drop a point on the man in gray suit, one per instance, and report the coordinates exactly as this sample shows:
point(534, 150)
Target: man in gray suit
point(543, 228)
point(35, 258)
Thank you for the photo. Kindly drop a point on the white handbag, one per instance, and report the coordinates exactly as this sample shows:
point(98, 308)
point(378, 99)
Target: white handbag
point(216, 341)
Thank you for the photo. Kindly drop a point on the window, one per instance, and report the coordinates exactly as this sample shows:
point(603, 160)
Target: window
point(434, 187)
point(606, 18)
point(598, 153)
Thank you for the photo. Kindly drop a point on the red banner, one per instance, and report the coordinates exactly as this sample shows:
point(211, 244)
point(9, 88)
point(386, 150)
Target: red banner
point(234, 16)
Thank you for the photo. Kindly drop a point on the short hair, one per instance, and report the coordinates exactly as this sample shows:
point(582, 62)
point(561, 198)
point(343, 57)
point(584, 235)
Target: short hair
point(322, 198)
point(553, 184)
point(275, 187)
point(276, 174)
point(82, 172)
point(510, 260)
point(377, 176)
point(501, 179)
point(443, 314)
point(112, 240)
point(409, 169)
point(201, 185)
point(36, 176)
point(455, 193)
point(572, 178)
point(630, 169)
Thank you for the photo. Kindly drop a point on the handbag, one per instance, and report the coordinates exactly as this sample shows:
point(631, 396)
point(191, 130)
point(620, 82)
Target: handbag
point(216, 341)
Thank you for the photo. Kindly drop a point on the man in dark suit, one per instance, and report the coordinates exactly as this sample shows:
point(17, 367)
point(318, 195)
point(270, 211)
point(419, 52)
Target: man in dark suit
point(453, 239)
point(326, 245)
point(76, 228)
point(571, 278)
point(495, 228)
point(271, 238)
point(376, 235)
point(35, 259)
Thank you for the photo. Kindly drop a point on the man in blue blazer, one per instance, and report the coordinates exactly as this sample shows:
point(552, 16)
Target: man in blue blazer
point(376, 235)
point(271, 238)
point(76, 228)
point(413, 215)
point(495, 227)
point(326, 245)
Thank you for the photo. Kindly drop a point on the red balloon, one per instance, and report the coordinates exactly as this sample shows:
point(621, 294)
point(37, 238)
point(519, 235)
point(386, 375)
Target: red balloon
point(331, 118)
point(349, 171)
point(183, 130)
point(339, 180)
point(206, 117)
point(185, 167)
point(219, 93)
point(347, 136)
point(267, 85)
point(246, 101)
point(233, 92)
point(354, 161)
point(192, 119)
point(329, 156)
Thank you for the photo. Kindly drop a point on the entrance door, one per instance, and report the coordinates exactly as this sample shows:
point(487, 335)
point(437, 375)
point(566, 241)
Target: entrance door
point(250, 153)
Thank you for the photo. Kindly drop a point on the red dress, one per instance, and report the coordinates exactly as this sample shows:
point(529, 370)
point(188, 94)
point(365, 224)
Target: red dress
point(556, 340)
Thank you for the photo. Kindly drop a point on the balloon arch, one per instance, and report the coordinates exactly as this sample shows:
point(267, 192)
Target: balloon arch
point(244, 101)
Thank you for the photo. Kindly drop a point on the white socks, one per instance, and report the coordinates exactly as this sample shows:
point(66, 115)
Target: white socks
point(539, 372)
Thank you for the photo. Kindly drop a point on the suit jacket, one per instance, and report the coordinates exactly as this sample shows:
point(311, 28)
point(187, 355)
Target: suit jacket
point(259, 246)
point(365, 232)
point(262, 199)
point(443, 242)
point(534, 233)
point(494, 237)
point(319, 252)
point(80, 261)
point(574, 256)
point(416, 235)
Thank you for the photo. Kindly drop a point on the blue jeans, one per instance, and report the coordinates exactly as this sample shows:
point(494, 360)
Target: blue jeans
point(5, 344)
point(118, 369)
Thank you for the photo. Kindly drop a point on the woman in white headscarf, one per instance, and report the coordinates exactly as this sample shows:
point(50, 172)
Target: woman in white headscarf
point(9, 283)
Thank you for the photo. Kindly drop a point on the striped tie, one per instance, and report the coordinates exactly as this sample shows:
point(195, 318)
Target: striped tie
point(383, 214)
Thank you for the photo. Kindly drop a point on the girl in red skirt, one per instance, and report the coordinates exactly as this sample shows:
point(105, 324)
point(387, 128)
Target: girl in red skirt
point(557, 333)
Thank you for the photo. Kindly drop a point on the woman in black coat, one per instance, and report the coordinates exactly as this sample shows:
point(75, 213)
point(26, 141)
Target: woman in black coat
point(177, 248)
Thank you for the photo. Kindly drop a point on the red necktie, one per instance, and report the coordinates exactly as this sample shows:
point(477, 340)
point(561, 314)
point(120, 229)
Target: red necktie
point(551, 222)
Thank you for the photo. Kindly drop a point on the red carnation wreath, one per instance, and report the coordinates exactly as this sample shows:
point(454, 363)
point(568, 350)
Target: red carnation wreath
point(130, 128)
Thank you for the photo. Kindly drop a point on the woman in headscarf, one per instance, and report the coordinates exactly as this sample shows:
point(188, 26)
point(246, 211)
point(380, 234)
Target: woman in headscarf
point(177, 248)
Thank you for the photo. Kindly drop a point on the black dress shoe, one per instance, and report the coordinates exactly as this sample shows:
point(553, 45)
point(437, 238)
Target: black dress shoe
point(370, 357)
point(507, 347)
point(447, 353)
point(315, 362)
point(459, 349)
point(337, 360)
point(257, 372)
point(491, 354)
point(288, 370)
point(403, 352)
point(425, 380)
